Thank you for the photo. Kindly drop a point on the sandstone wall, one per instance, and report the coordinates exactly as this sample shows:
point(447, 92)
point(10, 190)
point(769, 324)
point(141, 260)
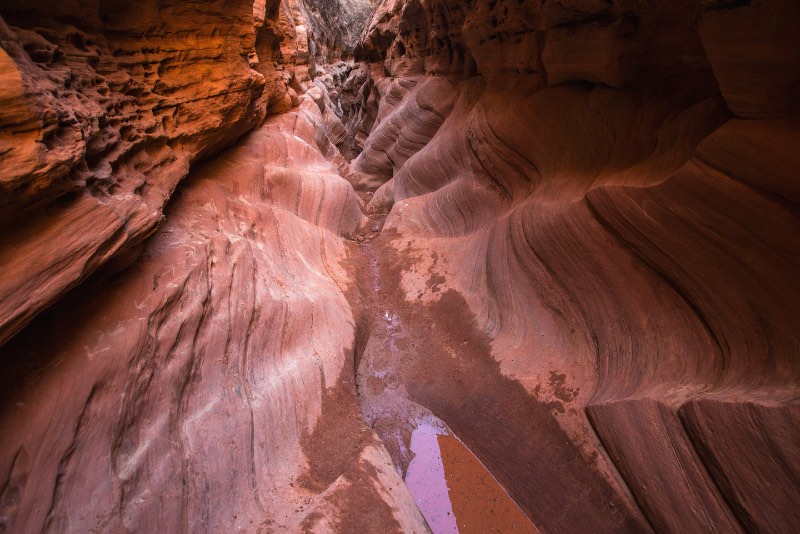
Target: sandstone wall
point(209, 387)
point(610, 189)
point(108, 105)
point(203, 380)
point(588, 265)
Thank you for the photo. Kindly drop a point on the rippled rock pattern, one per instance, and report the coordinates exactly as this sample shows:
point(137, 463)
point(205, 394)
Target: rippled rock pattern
point(592, 243)
point(210, 385)
point(564, 231)
point(106, 104)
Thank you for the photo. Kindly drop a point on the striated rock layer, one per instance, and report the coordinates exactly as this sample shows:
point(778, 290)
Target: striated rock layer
point(202, 382)
point(587, 270)
point(107, 105)
point(209, 387)
point(591, 252)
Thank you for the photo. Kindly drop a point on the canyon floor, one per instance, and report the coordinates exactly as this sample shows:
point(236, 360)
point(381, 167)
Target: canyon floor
point(399, 266)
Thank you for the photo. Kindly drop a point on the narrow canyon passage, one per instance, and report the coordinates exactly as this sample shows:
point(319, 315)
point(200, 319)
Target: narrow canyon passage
point(398, 353)
point(399, 266)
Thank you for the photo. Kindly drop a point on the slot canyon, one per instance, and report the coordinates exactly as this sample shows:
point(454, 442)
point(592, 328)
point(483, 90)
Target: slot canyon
point(374, 266)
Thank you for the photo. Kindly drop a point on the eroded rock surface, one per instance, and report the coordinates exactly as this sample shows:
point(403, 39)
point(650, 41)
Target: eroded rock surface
point(106, 106)
point(113, 102)
point(192, 398)
point(591, 253)
point(210, 385)
point(566, 230)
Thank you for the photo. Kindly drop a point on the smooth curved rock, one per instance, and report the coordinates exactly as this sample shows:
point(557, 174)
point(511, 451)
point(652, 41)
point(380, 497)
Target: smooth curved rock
point(587, 271)
point(623, 251)
point(210, 385)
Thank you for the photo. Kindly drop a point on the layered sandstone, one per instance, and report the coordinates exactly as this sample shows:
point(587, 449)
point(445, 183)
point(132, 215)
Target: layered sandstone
point(587, 270)
point(201, 395)
point(591, 252)
point(107, 106)
point(209, 387)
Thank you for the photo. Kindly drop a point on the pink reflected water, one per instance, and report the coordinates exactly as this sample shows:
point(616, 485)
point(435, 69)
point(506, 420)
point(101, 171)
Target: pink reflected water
point(426, 480)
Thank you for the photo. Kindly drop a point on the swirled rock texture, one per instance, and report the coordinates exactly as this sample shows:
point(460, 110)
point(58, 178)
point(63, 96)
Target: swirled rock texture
point(568, 230)
point(204, 381)
point(209, 387)
point(591, 252)
point(106, 104)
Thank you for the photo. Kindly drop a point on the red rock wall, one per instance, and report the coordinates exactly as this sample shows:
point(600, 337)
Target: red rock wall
point(588, 264)
point(106, 106)
point(204, 382)
point(209, 386)
point(610, 189)
point(109, 103)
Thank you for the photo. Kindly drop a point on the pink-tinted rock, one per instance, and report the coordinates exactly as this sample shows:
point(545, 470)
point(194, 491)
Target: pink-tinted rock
point(587, 271)
point(627, 251)
point(113, 111)
point(210, 385)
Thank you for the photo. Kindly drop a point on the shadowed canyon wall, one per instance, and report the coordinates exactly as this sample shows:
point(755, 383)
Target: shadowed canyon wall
point(107, 106)
point(206, 372)
point(588, 268)
point(610, 189)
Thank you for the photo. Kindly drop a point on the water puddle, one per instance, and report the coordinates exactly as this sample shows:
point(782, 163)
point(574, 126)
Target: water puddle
point(427, 482)
point(454, 490)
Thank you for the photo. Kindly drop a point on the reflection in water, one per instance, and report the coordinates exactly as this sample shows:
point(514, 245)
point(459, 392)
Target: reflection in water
point(426, 480)
point(454, 490)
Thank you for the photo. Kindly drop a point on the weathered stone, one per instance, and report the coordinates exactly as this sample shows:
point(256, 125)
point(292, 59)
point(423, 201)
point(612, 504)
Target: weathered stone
point(587, 272)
